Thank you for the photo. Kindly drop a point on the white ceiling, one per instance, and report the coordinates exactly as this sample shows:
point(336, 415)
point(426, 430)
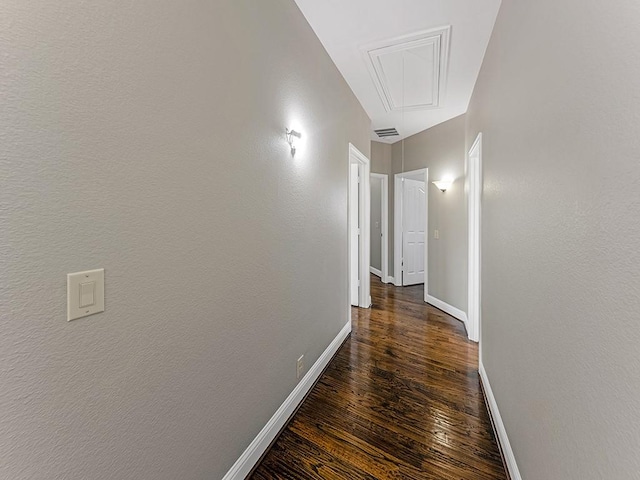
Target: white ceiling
point(399, 53)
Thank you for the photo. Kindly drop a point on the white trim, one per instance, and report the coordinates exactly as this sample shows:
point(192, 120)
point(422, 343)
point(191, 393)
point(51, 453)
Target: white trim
point(498, 426)
point(353, 222)
point(474, 193)
point(389, 279)
point(364, 214)
point(445, 307)
point(397, 230)
point(385, 224)
point(397, 227)
point(375, 271)
point(252, 455)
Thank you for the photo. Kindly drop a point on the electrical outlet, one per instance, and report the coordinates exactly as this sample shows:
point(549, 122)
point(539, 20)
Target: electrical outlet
point(436, 233)
point(300, 367)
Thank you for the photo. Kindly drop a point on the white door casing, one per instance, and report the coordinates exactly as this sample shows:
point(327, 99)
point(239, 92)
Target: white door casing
point(376, 227)
point(353, 234)
point(421, 175)
point(414, 219)
point(474, 176)
point(361, 197)
point(384, 208)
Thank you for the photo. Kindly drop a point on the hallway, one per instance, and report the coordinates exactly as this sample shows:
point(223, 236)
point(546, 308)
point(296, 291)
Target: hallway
point(401, 399)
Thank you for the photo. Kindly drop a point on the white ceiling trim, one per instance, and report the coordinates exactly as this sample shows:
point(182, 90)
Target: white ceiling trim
point(438, 40)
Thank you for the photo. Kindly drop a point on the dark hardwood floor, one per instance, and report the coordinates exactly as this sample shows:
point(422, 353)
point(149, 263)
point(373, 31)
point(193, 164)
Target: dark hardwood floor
point(401, 399)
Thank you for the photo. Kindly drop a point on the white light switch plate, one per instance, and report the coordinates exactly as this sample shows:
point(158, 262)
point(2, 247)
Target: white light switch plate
point(85, 293)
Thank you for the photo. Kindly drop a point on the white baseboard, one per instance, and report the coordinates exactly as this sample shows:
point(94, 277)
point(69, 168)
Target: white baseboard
point(498, 426)
point(263, 440)
point(375, 271)
point(388, 279)
point(445, 307)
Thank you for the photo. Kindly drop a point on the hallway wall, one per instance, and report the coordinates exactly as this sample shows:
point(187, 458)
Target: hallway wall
point(148, 138)
point(442, 150)
point(557, 101)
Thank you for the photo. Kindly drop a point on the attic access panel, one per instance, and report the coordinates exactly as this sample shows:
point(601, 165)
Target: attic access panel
point(410, 72)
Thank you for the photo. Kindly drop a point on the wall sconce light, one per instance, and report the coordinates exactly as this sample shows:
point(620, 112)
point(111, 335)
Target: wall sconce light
point(291, 136)
point(443, 185)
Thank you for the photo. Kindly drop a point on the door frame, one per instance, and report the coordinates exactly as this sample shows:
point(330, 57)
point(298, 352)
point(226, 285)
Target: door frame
point(384, 247)
point(474, 189)
point(364, 215)
point(397, 230)
point(354, 234)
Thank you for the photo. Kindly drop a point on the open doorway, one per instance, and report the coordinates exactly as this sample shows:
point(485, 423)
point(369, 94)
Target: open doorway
point(359, 234)
point(410, 228)
point(474, 174)
point(379, 225)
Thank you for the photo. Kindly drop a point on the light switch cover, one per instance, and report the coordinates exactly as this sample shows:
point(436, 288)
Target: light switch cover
point(85, 293)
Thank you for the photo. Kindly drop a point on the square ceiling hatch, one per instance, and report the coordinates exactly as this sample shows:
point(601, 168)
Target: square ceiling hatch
point(409, 72)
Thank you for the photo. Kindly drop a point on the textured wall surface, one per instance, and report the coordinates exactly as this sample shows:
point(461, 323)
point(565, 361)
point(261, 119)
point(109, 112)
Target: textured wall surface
point(147, 138)
point(558, 103)
point(441, 149)
point(380, 158)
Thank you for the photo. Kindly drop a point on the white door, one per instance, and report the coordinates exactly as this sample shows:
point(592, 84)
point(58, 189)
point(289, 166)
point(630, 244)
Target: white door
point(354, 231)
point(414, 203)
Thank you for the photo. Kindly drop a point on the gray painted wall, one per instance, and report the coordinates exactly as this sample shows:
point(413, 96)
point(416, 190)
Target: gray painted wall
point(380, 158)
point(557, 101)
point(376, 223)
point(381, 163)
point(148, 138)
point(442, 150)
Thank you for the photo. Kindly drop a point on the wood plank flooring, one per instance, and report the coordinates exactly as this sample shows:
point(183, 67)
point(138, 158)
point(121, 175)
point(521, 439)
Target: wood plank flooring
point(401, 399)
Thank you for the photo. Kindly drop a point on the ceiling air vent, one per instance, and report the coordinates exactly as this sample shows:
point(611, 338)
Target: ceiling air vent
point(386, 132)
